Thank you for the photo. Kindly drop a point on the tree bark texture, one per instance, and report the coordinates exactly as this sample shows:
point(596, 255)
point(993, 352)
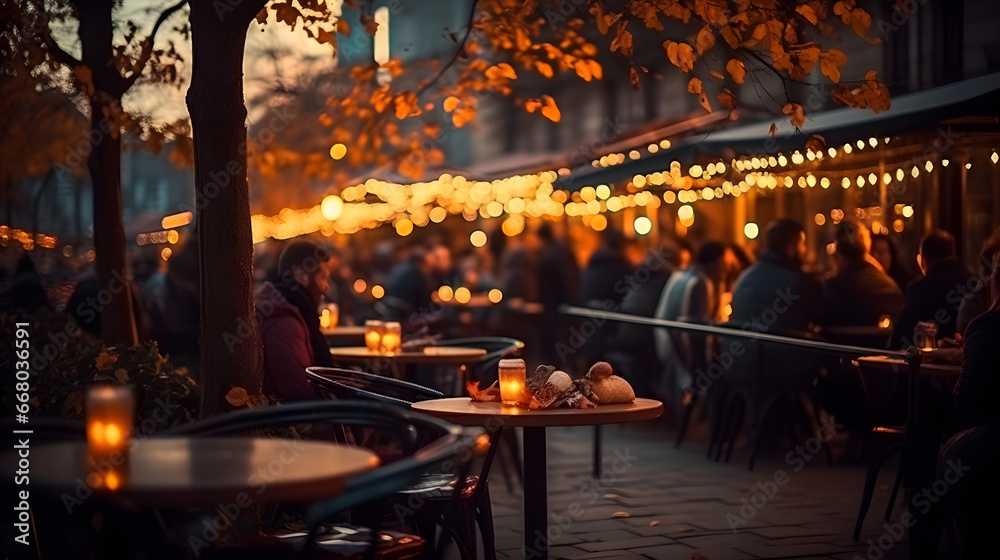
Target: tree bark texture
point(231, 353)
point(104, 163)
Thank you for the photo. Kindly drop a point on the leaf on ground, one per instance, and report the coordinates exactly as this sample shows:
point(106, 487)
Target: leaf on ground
point(237, 396)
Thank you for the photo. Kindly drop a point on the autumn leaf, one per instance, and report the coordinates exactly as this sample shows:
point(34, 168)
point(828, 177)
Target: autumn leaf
point(121, 375)
point(795, 113)
point(633, 77)
point(450, 103)
point(544, 69)
point(532, 105)
point(830, 63)
point(237, 396)
point(648, 13)
point(705, 39)
point(501, 70)
point(73, 405)
point(737, 70)
point(773, 130)
point(550, 110)
point(623, 41)
point(343, 27)
point(286, 13)
point(695, 86)
point(371, 26)
point(680, 55)
point(716, 75)
point(807, 12)
point(704, 102)
point(727, 99)
point(105, 360)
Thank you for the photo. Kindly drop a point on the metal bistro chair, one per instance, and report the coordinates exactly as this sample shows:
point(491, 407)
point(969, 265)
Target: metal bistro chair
point(450, 445)
point(436, 490)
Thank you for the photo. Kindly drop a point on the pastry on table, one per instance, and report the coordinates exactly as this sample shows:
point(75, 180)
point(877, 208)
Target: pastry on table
point(608, 388)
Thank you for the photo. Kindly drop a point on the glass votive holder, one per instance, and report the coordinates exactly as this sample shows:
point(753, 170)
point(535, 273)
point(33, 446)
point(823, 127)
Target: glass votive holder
point(329, 316)
point(373, 334)
point(110, 415)
point(392, 338)
point(513, 376)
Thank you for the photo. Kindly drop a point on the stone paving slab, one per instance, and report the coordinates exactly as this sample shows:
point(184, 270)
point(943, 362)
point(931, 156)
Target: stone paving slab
point(682, 505)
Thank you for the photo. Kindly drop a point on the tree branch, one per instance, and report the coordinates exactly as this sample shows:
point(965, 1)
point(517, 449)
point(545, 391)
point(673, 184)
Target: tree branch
point(458, 52)
point(59, 54)
point(147, 46)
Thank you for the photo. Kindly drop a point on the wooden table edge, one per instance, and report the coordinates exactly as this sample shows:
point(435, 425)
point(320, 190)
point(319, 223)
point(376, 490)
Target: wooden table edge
point(559, 417)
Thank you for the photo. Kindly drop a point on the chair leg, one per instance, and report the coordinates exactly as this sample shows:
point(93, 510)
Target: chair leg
point(736, 420)
point(686, 417)
point(598, 456)
point(484, 516)
point(755, 431)
point(871, 479)
point(895, 491)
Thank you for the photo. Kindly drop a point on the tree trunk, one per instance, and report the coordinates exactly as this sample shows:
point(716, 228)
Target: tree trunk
point(104, 164)
point(231, 353)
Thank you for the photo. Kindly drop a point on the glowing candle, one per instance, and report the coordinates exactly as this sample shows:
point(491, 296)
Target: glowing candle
point(392, 337)
point(324, 319)
point(512, 381)
point(373, 334)
point(329, 316)
point(110, 414)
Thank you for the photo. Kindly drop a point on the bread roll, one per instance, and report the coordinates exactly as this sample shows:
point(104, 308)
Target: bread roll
point(599, 371)
point(612, 390)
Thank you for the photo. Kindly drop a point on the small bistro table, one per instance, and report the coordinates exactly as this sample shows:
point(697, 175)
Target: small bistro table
point(193, 471)
point(492, 415)
point(920, 453)
point(344, 334)
point(433, 355)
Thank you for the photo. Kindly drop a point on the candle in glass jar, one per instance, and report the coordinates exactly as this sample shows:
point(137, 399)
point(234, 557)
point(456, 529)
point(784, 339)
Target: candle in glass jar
point(110, 414)
point(373, 334)
point(513, 376)
point(392, 337)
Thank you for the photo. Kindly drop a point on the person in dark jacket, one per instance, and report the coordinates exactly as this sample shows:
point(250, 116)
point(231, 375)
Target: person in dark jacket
point(977, 301)
point(289, 320)
point(935, 297)
point(887, 255)
point(860, 293)
point(774, 295)
point(978, 387)
point(407, 289)
point(606, 268)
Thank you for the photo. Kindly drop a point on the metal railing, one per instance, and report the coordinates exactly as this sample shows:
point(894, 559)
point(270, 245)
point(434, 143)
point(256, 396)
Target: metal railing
point(718, 329)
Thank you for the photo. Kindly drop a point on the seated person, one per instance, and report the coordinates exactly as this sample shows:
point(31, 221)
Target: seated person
point(289, 320)
point(860, 293)
point(692, 294)
point(935, 298)
point(978, 387)
point(977, 300)
point(774, 295)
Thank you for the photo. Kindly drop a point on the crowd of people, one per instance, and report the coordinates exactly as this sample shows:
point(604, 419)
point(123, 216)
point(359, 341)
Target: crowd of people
point(867, 298)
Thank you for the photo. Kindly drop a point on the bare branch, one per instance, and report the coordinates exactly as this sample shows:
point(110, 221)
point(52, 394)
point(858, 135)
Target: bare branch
point(147, 46)
point(458, 52)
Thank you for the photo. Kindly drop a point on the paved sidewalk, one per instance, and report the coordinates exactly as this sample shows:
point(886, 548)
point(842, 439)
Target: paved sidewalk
point(681, 505)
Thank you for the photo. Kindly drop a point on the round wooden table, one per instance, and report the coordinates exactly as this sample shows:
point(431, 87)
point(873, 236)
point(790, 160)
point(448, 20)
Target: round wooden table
point(899, 365)
point(375, 362)
point(344, 334)
point(188, 471)
point(494, 416)
point(430, 355)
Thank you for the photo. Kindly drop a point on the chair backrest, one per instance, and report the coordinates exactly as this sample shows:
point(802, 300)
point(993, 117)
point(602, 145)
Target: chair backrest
point(348, 384)
point(497, 348)
point(455, 446)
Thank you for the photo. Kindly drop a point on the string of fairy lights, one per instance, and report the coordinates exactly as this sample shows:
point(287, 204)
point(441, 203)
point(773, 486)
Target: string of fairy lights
point(515, 199)
point(409, 206)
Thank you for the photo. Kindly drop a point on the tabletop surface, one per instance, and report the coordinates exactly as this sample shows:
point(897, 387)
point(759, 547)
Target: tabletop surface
point(947, 370)
point(466, 412)
point(429, 355)
point(344, 330)
point(208, 471)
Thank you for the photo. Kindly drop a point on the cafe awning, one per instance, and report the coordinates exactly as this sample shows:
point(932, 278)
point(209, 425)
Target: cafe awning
point(923, 111)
